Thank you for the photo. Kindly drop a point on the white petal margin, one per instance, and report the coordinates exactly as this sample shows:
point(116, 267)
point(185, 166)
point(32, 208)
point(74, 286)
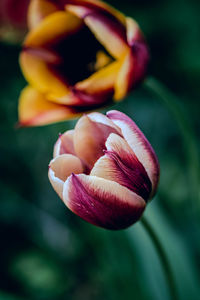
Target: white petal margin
point(60, 168)
point(100, 118)
point(101, 202)
point(120, 164)
point(132, 31)
point(139, 144)
point(64, 144)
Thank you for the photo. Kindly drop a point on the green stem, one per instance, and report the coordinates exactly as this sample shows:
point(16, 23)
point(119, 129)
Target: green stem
point(185, 127)
point(163, 258)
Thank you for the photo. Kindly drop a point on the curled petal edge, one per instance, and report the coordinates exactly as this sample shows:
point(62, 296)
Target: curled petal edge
point(139, 144)
point(35, 110)
point(102, 202)
point(60, 168)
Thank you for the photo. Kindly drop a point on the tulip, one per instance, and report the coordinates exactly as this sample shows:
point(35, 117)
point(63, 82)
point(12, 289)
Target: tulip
point(105, 170)
point(77, 56)
point(13, 25)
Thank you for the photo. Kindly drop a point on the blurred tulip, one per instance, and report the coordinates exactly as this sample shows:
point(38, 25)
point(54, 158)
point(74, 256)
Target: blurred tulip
point(78, 55)
point(105, 170)
point(13, 25)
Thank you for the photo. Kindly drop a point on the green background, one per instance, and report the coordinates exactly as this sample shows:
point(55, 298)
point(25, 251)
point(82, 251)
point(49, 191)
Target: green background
point(49, 253)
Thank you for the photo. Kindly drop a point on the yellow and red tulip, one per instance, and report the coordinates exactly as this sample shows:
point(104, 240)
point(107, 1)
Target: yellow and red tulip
point(105, 170)
point(13, 25)
point(77, 56)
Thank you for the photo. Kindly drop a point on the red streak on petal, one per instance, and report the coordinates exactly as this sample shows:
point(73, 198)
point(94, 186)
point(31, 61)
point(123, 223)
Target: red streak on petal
point(101, 208)
point(131, 173)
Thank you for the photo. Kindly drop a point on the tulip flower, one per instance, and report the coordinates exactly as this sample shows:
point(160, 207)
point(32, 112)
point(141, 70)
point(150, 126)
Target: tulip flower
point(78, 55)
point(105, 170)
point(13, 25)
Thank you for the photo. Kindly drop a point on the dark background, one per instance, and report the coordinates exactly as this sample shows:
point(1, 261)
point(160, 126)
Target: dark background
point(49, 253)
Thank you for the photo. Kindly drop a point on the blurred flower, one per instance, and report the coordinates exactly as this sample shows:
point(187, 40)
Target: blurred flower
point(13, 20)
point(78, 55)
point(105, 170)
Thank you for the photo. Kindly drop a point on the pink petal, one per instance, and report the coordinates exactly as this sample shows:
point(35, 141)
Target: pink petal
point(89, 139)
point(121, 165)
point(102, 202)
point(102, 119)
point(60, 168)
point(139, 144)
point(64, 144)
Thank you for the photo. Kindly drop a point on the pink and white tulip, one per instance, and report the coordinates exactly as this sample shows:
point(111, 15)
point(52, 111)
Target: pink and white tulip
point(105, 170)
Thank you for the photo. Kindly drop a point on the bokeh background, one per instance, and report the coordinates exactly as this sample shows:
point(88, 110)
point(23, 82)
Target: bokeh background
point(49, 253)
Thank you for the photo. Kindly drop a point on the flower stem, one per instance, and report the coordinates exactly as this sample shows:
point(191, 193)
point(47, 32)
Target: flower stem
point(163, 258)
point(186, 130)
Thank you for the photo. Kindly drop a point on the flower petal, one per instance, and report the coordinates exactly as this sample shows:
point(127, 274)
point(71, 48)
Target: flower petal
point(89, 139)
point(102, 60)
point(85, 7)
point(64, 144)
point(54, 27)
point(125, 78)
point(60, 168)
point(133, 31)
point(121, 165)
point(102, 202)
point(110, 34)
point(102, 119)
point(132, 71)
point(35, 109)
point(107, 24)
point(38, 10)
point(139, 144)
point(38, 74)
point(100, 82)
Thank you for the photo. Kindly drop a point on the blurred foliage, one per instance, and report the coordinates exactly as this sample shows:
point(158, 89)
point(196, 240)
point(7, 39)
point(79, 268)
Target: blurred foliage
point(49, 253)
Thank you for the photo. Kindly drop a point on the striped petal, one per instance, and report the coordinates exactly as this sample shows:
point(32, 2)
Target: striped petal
point(139, 144)
point(38, 10)
point(60, 168)
point(89, 139)
point(108, 33)
point(121, 165)
point(108, 28)
point(64, 144)
point(102, 202)
point(53, 28)
point(85, 7)
point(132, 70)
point(35, 109)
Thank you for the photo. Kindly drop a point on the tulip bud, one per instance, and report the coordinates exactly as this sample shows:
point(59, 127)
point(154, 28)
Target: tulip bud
point(105, 170)
point(78, 55)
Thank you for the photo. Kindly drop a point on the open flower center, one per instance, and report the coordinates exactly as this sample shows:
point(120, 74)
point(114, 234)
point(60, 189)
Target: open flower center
point(77, 55)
